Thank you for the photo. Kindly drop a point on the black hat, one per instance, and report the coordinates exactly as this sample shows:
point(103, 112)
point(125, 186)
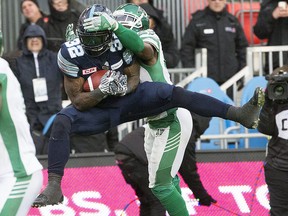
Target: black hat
point(150, 10)
point(34, 1)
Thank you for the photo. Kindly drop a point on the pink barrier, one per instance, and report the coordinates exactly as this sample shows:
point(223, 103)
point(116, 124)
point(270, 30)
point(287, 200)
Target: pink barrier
point(239, 188)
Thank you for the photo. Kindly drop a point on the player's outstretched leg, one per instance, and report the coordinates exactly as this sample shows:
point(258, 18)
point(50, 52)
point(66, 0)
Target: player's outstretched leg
point(248, 114)
point(52, 195)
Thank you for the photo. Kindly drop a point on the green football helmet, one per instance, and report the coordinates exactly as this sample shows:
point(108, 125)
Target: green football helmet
point(132, 16)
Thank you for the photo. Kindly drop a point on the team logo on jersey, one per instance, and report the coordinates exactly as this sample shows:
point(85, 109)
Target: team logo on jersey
point(106, 66)
point(89, 70)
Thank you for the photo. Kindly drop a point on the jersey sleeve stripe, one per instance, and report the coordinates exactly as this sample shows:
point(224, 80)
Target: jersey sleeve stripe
point(67, 67)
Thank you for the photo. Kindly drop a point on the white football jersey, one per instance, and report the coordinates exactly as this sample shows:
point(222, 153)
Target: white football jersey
point(17, 150)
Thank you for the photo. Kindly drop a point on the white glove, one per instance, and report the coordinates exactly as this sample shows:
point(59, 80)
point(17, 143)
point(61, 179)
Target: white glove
point(104, 85)
point(113, 83)
point(101, 21)
point(70, 34)
point(119, 85)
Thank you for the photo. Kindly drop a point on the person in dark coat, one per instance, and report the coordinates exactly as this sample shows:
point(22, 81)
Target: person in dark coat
point(164, 31)
point(60, 16)
point(221, 33)
point(272, 24)
point(131, 159)
point(33, 15)
point(40, 80)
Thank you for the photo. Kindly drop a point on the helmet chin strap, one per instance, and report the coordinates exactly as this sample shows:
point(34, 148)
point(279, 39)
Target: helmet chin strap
point(138, 20)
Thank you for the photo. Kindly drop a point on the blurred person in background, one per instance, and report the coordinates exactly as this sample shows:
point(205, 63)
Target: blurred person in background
point(61, 14)
point(21, 175)
point(273, 122)
point(41, 81)
point(33, 15)
point(272, 24)
point(215, 29)
point(163, 29)
point(132, 160)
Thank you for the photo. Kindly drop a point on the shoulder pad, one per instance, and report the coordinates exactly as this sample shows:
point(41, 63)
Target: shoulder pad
point(65, 64)
point(149, 36)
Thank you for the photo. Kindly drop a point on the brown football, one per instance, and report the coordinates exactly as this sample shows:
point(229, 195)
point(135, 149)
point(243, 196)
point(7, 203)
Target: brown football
point(93, 81)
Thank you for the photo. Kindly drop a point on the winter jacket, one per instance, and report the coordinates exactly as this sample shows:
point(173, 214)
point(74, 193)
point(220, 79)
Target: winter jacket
point(223, 36)
point(39, 112)
point(56, 27)
point(41, 22)
point(275, 30)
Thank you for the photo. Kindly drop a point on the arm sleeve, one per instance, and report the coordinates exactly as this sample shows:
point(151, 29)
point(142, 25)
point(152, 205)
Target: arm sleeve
point(129, 39)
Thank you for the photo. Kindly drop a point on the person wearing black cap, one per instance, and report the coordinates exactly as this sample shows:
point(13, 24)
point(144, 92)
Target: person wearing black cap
point(164, 31)
point(33, 15)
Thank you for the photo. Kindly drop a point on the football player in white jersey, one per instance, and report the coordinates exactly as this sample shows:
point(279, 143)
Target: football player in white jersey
point(21, 175)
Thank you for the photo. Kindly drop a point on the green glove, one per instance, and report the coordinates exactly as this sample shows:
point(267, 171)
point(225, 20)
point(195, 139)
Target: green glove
point(70, 34)
point(99, 22)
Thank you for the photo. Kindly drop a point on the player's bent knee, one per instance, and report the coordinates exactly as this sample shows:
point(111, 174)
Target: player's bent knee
point(162, 191)
point(165, 91)
point(61, 127)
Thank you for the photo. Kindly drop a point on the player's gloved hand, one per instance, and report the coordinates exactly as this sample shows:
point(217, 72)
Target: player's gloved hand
point(101, 21)
point(119, 86)
point(207, 201)
point(70, 34)
point(104, 85)
point(113, 83)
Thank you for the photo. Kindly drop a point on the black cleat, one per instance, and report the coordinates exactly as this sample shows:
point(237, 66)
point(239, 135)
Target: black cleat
point(248, 114)
point(52, 195)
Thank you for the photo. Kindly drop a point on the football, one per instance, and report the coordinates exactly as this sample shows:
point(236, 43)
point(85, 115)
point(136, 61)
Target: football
point(93, 81)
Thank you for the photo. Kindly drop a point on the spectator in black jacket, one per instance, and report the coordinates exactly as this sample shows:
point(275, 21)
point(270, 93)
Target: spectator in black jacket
point(273, 122)
point(164, 31)
point(60, 16)
point(272, 24)
point(40, 80)
point(221, 33)
point(33, 15)
point(131, 159)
